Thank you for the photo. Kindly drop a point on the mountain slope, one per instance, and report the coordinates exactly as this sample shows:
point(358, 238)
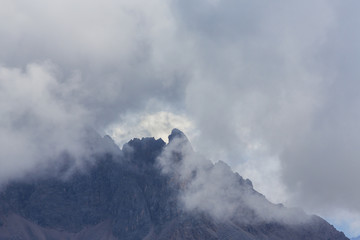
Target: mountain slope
point(144, 192)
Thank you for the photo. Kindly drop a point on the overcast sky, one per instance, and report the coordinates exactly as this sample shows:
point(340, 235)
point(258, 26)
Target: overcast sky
point(271, 88)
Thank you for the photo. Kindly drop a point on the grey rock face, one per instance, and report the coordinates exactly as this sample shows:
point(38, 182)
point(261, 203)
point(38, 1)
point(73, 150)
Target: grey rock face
point(126, 196)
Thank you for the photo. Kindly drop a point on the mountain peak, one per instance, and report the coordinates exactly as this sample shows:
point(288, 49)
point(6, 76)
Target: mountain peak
point(179, 141)
point(176, 133)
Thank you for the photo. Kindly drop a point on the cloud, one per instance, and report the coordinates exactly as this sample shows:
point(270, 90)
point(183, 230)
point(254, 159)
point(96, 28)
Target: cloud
point(36, 125)
point(78, 66)
point(283, 77)
point(215, 189)
point(123, 52)
point(328, 149)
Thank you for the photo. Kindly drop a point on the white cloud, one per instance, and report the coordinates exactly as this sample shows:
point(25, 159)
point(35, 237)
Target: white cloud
point(36, 125)
point(157, 125)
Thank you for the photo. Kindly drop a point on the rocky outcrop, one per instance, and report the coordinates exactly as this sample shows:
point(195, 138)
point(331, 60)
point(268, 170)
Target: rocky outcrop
point(128, 196)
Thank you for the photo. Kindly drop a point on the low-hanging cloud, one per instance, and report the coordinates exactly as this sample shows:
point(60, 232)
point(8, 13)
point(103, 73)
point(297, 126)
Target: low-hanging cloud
point(78, 66)
point(36, 125)
point(216, 190)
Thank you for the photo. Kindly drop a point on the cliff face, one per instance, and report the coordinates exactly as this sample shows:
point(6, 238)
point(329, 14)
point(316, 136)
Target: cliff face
point(130, 196)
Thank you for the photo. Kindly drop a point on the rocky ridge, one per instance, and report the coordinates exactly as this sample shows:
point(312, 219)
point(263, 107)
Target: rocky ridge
point(128, 195)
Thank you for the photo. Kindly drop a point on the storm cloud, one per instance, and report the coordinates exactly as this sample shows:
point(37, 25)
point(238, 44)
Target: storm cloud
point(269, 88)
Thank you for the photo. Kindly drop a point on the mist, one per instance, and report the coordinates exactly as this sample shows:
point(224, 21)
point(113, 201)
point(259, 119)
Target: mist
point(216, 190)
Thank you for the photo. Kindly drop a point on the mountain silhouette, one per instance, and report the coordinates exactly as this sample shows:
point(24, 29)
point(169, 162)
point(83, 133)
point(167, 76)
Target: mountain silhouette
point(148, 190)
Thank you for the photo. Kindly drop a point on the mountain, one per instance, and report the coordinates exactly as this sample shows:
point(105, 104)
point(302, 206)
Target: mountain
point(148, 190)
point(356, 238)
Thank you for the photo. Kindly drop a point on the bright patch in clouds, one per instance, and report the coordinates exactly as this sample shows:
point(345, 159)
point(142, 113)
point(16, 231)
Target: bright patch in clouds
point(158, 125)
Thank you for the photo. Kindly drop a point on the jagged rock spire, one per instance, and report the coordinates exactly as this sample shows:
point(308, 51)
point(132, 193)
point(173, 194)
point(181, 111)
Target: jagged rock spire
point(176, 133)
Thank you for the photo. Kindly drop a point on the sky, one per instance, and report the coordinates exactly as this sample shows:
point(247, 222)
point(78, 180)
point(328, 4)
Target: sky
point(271, 88)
